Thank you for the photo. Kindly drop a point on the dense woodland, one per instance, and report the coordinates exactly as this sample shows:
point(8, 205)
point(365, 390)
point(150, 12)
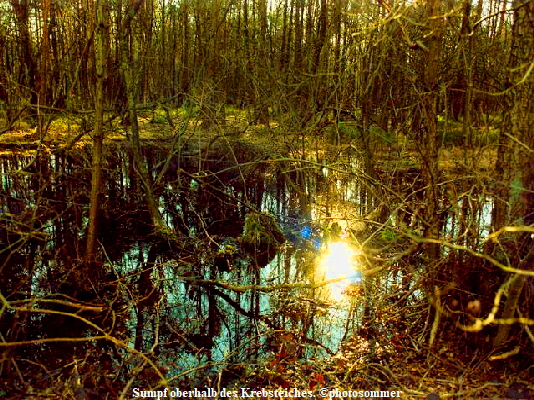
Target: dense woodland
point(173, 173)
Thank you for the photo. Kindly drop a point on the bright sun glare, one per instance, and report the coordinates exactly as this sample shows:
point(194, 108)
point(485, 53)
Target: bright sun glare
point(338, 262)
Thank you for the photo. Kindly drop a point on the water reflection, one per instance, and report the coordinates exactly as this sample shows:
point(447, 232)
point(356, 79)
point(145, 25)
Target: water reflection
point(196, 313)
point(338, 262)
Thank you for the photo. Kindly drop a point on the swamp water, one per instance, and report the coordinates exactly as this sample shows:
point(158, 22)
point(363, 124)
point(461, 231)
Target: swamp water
point(201, 301)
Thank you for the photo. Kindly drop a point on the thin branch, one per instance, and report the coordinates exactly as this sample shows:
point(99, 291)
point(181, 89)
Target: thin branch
point(259, 288)
point(480, 255)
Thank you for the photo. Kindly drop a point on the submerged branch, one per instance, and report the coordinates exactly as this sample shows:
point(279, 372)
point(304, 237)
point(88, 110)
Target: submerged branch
point(259, 288)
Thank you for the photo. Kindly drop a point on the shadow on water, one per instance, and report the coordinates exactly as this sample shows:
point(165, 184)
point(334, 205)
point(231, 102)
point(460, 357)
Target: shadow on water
point(236, 288)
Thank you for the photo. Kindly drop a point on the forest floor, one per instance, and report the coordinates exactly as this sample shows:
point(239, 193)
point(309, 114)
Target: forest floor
point(446, 372)
point(394, 359)
point(452, 158)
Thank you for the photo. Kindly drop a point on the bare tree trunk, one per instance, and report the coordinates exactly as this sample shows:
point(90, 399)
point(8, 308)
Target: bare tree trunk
point(128, 65)
point(321, 37)
point(96, 180)
point(297, 64)
point(468, 57)
point(285, 45)
point(22, 12)
point(520, 125)
point(429, 136)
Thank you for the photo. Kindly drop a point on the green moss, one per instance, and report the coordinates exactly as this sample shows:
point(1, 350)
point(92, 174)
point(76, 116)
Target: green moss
point(261, 237)
point(389, 236)
point(159, 119)
point(350, 131)
point(261, 229)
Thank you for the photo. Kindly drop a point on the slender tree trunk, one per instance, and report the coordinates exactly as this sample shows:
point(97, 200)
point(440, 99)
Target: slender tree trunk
point(129, 52)
point(430, 137)
point(521, 127)
point(468, 60)
point(28, 70)
point(298, 35)
point(321, 37)
point(284, 48)
point(96, 181)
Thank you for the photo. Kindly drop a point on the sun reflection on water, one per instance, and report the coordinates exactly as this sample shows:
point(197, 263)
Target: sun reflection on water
point(338, 262)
